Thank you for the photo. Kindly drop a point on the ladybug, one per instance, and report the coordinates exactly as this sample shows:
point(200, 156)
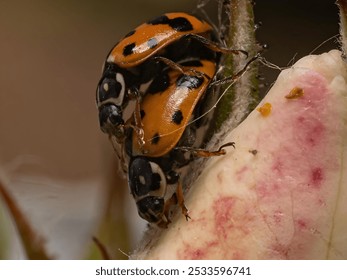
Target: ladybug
point(171, 102)
point(164, 125)
point(148, 180)
point(140, 56)
point(168, 139)
point(149, 177)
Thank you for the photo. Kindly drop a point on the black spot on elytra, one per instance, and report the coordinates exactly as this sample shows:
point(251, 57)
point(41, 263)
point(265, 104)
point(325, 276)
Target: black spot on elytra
point(152, 43)
point(129, 49)
point(159, 84)
point(142, 114)
point(130, 33)
point(155, 138)
point(181, 24)
point(177, 117)
point(191, 82)
point(178, 23)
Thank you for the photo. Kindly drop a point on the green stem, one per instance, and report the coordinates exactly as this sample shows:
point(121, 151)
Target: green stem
point(240, 98)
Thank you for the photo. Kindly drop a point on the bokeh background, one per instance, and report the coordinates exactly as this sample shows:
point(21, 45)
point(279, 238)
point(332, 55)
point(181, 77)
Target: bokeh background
point(57, 163)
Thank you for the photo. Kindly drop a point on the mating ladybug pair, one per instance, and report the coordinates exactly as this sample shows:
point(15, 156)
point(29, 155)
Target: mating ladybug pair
point(166, 66)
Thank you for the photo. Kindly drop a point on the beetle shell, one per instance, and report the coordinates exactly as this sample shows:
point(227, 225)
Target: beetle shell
point(151, 37)
point(166, 114)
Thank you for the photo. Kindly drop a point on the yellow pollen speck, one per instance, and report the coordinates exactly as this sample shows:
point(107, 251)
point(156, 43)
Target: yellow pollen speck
point(265, 109)
point(296, 92)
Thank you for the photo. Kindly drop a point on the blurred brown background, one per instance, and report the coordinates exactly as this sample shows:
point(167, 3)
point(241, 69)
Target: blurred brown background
point(59, 164)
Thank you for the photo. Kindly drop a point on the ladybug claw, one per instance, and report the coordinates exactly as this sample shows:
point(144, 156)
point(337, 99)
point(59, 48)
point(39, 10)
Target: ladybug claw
point(188, 217)
point(185, 212)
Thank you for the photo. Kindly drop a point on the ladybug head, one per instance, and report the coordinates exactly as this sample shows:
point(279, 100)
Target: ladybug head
point(111, 119)
point(147, 184)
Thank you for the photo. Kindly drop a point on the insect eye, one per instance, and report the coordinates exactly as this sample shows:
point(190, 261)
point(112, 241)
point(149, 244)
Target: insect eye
point(112, 90)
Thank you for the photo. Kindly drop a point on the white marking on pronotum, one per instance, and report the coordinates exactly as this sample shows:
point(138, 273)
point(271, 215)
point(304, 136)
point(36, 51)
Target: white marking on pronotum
point(110, 58)
point(142, 180)
point(118, 101)
point(120, 79)
point(105, 86)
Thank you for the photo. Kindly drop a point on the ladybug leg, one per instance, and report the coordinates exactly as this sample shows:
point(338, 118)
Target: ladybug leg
point(233, 78)
point(176, 198)
point(205, 153)
point(180, 200)
point(184, 70)
point(166, 213)
point(169, 63)
point(117, 146)
point(215, 47)
point(163, 223)
point(138, 123)
point(135, 93)
point(119, 153)
point(138, 127)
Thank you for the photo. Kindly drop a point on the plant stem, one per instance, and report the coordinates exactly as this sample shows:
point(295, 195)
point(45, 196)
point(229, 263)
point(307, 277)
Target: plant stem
point(241, 97)
point(343, 24)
